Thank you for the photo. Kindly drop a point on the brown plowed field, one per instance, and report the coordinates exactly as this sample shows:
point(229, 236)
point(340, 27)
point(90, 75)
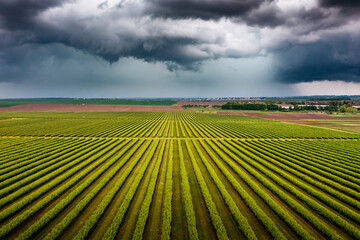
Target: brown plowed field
point(212, 103)
point(90, 108)
point(351, 124)
point(294, 116)
point(299, 116)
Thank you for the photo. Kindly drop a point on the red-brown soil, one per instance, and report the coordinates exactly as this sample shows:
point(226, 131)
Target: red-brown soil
point(233, 113)
point(319, 119)
point(89, 108)
point(295, 116)
point(212, 103)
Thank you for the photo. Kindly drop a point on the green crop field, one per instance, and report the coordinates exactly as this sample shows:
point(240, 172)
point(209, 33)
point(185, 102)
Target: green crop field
point(181, 175)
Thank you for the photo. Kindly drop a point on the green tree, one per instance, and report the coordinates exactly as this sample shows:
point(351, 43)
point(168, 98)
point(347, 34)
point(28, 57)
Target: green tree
point(342, 109)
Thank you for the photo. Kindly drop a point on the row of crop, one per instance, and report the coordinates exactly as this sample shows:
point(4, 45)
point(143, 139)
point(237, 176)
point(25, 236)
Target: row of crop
point(158, 129)
point(146, 129)
point(125, 126)
point(326, 155)
point(327, 148)
point(179, 126)
point(207, 130)
point(338, 146)
point(19, 126)
point(312, 178)
point(138, 129)
point(324, 160)
point(285, 173)
point(167, 129)
point(17, 144)
point(33, 146)
point(240, 132)
point(42, 127)
point(167, 208)
point(30, 176)
point(95, 128)
point(257, 188)
point(48, 186)
point(82, 129)
point(244, 225)
point(23, 159)
point(296, 161)
point(36, 164)
point(75, 211)
point(282, 194)
point(22, 217)
point(229, 131)
point(234, 131)
point(279, 160)
point(186, 196)
point(187, 124)
point(214, 215)
point(12, 153)
point(313, 204)
point(64, 202)
point(203, 131)
point(317, 149)
point(102, 128)
point(113, 228)
point(145, 206)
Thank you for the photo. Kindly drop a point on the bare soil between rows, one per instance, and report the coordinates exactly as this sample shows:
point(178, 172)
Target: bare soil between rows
point(90, 108)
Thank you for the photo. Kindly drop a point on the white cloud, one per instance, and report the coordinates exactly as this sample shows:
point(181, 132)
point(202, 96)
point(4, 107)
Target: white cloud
point(326, 88)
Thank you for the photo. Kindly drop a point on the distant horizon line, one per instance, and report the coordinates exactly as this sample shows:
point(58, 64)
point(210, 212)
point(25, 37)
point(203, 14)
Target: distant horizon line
point(176, 98)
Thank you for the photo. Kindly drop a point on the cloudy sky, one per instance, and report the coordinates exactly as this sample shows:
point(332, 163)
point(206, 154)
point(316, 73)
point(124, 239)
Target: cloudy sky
point(179, 48)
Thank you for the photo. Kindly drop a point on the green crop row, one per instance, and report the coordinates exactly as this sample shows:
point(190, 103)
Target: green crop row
point(270, 157)
point(15, 155)
point(295, 162)
point(297, 206)
point(167, 208)
point(66, 221)
point(17, 206)
point(120, 213)
point(19, 219)
point(51, 163)
point(145, 206)
point(58, 208)
point(185, 187)
point(244, 225)
point(258, 189)
point(214, 215)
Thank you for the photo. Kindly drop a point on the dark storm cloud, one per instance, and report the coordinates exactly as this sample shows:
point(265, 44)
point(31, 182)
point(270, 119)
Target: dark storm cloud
point(204, 9)
point(340, 3)
point(332, 59)
point(19, 14)
point(144, 30)
point(345, 7)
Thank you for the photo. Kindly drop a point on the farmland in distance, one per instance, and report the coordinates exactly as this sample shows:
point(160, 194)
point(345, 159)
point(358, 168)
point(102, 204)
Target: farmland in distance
point(175, 175)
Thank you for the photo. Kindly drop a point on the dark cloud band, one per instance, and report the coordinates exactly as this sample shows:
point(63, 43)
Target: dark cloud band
point(328, 58)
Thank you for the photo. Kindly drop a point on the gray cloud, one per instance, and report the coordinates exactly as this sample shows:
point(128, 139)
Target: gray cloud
point(19, 14)
point(183, 34)
point(342, 3)
point(204, 9)
point(330, 59)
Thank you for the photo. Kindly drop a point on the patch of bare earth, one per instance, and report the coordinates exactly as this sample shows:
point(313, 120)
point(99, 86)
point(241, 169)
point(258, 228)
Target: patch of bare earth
point(232, 113)
point(210, 103)
point(319, 119)
point(90, 108)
